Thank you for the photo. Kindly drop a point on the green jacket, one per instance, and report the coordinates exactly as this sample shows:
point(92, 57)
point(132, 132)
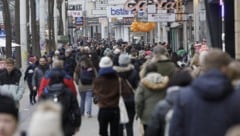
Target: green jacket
point(164, 66)
point(150, 90)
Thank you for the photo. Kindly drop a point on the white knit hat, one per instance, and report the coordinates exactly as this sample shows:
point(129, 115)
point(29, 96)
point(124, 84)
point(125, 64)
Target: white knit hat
point(46, 120)
point(105, 62)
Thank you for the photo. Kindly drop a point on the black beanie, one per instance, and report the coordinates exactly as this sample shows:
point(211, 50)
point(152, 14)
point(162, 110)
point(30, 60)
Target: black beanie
point(8, 106)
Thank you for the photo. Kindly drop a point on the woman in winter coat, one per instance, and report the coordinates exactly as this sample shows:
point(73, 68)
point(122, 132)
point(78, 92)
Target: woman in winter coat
point(151, 89)
point(128, 73)
point(106, 89)
point(160, 119)
point(84, 75)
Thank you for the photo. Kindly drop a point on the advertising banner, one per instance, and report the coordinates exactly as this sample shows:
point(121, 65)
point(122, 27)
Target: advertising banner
point(118, 12)
point(75, 13)
point(167, 17)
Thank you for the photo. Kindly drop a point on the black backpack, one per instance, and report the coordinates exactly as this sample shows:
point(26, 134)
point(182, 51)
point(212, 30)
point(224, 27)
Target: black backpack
point(87, 76)
point(71, 112)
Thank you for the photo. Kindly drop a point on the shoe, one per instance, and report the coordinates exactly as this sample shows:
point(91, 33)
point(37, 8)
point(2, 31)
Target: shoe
point(89, 115)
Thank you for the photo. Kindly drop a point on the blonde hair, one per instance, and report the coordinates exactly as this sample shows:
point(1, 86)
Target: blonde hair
point(46, 120)
point(215, 59)
point(57, 63)
point(233, 131)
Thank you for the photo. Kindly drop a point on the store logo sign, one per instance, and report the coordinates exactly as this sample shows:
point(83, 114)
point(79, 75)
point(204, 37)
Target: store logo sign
point(118, 11)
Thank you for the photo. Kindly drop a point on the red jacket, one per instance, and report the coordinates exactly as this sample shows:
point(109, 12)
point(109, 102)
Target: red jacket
point(68, 81)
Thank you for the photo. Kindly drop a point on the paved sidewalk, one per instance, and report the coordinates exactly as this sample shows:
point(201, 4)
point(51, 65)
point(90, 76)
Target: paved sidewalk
point(89, 126)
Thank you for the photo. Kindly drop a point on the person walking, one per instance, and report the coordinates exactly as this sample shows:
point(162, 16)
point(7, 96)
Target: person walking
point(84, 75)
point(162, 114)
point(129, 74)
point(10, 81)
point(38, 74)
point(28, 77)
point(58, 92)
point(210, 105)
point(151, 89)
point(165, 66)
point(106, 90)
point(46, 79)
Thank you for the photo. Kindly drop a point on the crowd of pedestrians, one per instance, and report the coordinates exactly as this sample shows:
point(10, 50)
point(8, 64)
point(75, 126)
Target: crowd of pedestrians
point(168, 93)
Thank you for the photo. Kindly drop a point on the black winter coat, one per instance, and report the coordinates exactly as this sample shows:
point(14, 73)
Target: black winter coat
point(10, 78)
point(128, 73)
point(71, 119)
point(209, 107)
point(69, 65)
point(29, 73)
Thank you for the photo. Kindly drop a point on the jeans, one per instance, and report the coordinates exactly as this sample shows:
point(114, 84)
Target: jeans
point(108, 116)
point(129, 125)
point(86, 97)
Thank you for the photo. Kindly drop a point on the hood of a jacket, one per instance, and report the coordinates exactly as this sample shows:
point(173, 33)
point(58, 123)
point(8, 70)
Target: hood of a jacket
point(155, 81)
point(213, 86)
point(172, 93)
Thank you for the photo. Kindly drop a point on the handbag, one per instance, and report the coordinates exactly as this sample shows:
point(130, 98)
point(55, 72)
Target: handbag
point(122, 107)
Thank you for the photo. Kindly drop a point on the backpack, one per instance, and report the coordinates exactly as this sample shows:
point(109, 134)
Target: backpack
point(71, 113)
point(56, 96)
point(87, 76)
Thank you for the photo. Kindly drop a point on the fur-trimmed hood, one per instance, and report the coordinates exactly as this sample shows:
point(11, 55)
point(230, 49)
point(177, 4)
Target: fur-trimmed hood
point(120, 69)
point(155, 81)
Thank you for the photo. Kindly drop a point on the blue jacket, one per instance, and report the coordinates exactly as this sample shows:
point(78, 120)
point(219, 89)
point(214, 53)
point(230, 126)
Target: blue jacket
point(209, 107)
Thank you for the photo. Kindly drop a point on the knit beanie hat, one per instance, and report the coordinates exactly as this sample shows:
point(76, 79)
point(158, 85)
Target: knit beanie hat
point(124, 59)
point(8, 106)
point(105, 62)
point(107, 52)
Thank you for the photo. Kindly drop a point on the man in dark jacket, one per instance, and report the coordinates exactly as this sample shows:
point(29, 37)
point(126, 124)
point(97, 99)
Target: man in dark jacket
point(39, 72)
point(69, 62)
point(58, 92)
point(210, 105)
point(164, 65)
point(67, 80)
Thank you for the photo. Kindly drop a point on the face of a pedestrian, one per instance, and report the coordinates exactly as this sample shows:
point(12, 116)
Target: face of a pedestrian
point(9, 67)
point(8, 125)
point(42, 61)
point(2, 64)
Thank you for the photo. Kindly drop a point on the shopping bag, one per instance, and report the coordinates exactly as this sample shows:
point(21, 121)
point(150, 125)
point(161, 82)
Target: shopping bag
point(123, 111)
